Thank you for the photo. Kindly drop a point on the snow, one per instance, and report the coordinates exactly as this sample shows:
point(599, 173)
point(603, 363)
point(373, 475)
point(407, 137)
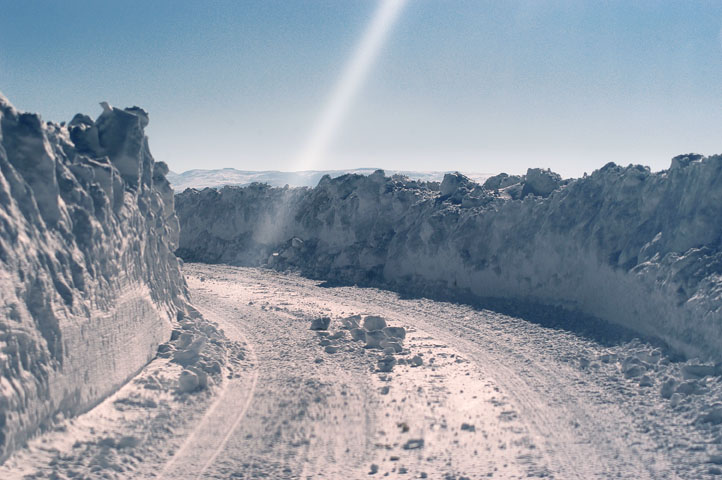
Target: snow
point(89, 284)
point(136, 430)
point(315, 414)
point(473, 393)
point(587, 343)
point(321, 323)
point(537, 402)
point(200, 179)
point(625, 245)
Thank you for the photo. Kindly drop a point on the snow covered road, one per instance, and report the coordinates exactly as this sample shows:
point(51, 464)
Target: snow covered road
point(287, 414)
point(472, 394)
point(495, 396)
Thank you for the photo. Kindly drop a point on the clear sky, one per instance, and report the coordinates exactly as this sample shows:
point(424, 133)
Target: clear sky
point(475, 85)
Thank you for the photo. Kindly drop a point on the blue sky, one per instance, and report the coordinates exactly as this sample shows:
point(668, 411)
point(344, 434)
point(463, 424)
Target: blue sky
point(482, 86)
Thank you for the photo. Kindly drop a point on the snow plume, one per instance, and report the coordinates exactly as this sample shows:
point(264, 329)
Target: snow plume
point(89, 284)
point(632, 247)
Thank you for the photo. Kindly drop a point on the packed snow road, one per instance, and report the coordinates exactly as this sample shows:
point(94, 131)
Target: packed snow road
point(467, 393)
point(493, 396)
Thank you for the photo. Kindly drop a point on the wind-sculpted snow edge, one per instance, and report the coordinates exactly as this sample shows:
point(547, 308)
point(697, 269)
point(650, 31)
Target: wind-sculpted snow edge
point(89, 284)
point(628, 246)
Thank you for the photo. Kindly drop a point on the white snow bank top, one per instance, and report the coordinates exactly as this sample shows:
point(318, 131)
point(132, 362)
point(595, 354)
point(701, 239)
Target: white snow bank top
point(309, 178)
point(88, 281)
point(629, 246)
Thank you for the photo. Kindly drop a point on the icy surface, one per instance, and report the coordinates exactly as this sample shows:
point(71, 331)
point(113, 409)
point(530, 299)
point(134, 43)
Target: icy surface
point(89, 284)
point(631, 247)
point(307, 178)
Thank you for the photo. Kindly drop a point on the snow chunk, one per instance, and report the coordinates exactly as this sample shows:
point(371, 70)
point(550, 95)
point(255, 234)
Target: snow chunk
point(374, 339)
point(395, 332)
point(320, 323)
point(386, 363)
point(358, 334)
point(188, 381)
point(414, 444)
point(452, 182)
point(540, 182)
point(373, 322)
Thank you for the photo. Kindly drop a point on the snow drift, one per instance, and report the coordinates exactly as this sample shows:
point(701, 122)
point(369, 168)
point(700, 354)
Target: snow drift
point(89, 283)
point(626, 245)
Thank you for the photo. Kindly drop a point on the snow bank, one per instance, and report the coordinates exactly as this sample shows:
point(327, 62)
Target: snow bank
point(89, 284)
point(307, 178)
point(632, 247)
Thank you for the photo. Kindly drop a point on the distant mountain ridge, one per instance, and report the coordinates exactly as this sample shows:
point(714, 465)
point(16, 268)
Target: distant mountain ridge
point(200, 179)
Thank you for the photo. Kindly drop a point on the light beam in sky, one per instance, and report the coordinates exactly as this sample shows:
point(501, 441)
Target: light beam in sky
point(354, 74)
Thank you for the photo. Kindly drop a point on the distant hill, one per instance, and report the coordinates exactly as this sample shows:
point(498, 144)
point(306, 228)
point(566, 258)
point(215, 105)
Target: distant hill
point(200, 179)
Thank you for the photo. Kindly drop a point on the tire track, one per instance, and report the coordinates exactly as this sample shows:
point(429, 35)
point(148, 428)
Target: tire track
point(205, 434)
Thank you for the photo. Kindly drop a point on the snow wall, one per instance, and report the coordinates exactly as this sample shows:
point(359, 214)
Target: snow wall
point(89, 283)
point(625, 245)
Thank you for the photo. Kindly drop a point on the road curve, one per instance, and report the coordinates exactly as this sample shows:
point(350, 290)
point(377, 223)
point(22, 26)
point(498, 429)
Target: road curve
point(496, 397)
